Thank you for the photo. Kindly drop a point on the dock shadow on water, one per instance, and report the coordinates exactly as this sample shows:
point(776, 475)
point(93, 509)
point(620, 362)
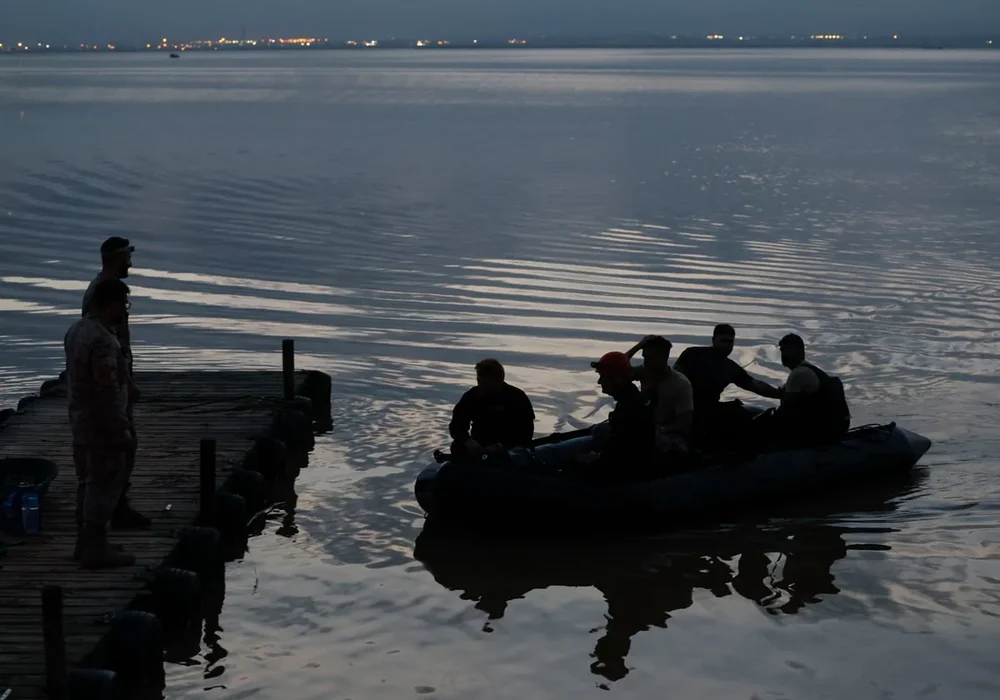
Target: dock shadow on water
point(782, 564)
point(198, 642)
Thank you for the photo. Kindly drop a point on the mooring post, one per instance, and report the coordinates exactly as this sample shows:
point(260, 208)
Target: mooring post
point(55, 641)
point(208, 482)
point(288, 367)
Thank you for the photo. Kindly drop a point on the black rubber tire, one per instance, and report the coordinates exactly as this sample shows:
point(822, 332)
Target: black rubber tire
point(251, 486)
point(200, 550)
point(231, 518)
point(135, 648)
point(91, 684)
point(268, 457)
point(294, 429)
point(178, 595)
point(318, 388)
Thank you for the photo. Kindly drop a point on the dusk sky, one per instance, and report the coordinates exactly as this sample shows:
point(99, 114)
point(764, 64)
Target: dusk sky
point(124, 20)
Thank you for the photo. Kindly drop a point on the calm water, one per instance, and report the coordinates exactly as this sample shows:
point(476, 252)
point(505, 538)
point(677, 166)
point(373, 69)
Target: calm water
point(403, 215)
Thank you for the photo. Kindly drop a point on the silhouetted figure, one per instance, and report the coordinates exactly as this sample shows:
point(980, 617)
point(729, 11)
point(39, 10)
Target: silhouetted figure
point(116, 261)
point(99, 384)
point(629, 449)
point(493, 416)
point(710, 371)
point(669, 394)
point(813, 407)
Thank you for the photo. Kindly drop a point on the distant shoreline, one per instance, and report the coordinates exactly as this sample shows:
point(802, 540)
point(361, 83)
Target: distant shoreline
point(984, 42)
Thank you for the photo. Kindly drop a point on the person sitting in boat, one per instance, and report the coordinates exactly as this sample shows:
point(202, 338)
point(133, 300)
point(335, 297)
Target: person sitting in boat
point(492, 416)
point(710, 371)
point(813, 407)
point(668, 392)
point(629, 444)
point(670, 395)
point(649, 375)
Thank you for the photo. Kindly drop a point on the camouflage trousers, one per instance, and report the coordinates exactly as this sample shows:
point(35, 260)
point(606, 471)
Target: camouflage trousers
point(101, 475)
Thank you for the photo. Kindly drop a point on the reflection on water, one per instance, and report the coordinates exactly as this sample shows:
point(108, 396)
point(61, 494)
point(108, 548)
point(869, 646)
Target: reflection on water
point(782, 566)
point(403, 215)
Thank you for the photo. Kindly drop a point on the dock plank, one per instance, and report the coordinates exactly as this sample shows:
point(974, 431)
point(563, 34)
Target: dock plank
point(176, 411)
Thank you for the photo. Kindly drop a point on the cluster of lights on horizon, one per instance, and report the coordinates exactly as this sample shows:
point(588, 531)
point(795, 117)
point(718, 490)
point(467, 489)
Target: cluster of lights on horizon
point(317, 42)
point(307, 42)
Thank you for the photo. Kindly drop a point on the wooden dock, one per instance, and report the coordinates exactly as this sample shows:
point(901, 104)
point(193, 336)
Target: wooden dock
point(175, 412)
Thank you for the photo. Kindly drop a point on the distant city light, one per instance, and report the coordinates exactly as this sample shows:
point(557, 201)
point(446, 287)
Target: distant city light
point(308, 42)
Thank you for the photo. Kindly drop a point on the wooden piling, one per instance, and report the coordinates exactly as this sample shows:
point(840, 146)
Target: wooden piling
point(208, 482)
point(54, 640)
point(288, 367)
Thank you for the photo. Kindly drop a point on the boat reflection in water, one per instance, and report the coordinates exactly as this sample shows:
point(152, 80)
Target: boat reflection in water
point(783, 565)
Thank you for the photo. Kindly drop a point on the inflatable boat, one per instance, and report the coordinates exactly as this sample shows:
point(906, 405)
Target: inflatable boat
point(534, 488)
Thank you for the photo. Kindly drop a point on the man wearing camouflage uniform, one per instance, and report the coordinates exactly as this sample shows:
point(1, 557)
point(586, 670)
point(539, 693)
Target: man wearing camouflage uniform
point(116, 259)
point(99, 385)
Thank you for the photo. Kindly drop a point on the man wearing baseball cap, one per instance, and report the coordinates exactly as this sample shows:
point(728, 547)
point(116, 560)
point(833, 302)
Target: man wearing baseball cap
point(116, 260)
point(668, 392)
point(630, 442)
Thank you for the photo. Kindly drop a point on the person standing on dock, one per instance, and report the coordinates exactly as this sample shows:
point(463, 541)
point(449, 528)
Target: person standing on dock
point(116, 260)
point(99, 384)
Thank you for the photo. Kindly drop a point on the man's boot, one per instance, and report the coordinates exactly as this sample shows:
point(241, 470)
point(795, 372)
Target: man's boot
point(96, 553)
point(126, 517)
point(78, 549)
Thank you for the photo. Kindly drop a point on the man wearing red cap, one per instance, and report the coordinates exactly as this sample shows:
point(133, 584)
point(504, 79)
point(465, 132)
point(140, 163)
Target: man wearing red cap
point(668, 392)
point(630, 444)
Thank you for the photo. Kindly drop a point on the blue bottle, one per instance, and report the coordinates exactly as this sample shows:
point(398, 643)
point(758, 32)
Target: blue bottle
point(29, 510)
